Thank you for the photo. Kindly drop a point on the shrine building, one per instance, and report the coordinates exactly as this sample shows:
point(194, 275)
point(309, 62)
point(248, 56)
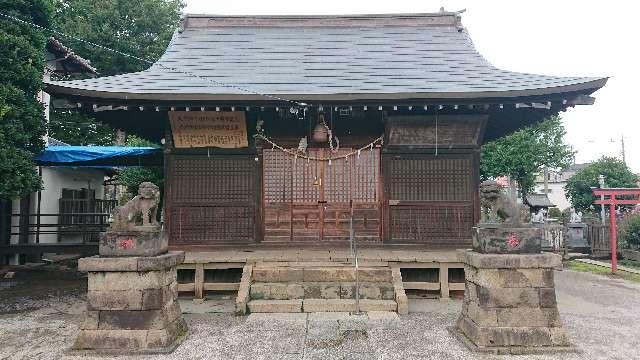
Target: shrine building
point(296, 134)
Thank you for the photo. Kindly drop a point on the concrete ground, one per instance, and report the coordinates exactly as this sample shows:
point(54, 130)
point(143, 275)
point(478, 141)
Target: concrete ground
point(601, 314)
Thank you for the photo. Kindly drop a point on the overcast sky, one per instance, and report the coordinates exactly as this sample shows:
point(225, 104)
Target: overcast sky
point(566, 38)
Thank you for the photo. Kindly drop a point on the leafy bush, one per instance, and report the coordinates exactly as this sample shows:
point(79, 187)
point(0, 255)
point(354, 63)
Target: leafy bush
point(630, 230)
point(131, 177)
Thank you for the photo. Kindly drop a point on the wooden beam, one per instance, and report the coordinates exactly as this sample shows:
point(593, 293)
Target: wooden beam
point(414, 285)
point(444, 281)
point(221, 286)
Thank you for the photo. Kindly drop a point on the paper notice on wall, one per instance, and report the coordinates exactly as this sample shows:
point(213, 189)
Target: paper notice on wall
point(221, 129)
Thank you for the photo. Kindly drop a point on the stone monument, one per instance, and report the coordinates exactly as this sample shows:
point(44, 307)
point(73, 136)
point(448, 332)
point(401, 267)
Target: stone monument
point(132, 289)
point(510, 302)
point(575, 231)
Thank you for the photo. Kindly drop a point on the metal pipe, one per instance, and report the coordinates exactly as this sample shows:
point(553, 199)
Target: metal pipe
point(354, 250)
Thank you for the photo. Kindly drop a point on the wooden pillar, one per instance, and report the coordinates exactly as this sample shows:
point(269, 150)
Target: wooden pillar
point(199, 282)
point(444, 281)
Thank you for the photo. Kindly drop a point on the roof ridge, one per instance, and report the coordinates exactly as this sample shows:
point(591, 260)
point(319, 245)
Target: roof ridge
point(442, 18)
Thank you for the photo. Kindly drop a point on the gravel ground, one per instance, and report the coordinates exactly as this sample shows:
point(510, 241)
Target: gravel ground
point(601, 314)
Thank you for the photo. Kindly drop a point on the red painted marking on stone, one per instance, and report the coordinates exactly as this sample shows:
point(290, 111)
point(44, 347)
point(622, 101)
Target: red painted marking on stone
point(513, 240)
point(127, 243)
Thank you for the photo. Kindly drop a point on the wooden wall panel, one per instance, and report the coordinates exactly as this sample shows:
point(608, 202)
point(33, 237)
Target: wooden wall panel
point(211, 199)
point(431, 199)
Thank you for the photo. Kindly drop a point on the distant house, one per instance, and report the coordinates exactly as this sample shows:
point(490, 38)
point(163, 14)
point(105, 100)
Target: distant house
point(556, 181)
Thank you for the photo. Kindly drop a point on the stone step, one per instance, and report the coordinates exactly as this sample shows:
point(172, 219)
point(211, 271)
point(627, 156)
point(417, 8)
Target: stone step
point(319, 305)
point(321, 290)
point(320, 274)
point(275, 306)
point(347, 305)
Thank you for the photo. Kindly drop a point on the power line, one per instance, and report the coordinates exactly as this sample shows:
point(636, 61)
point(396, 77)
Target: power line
point(216, 83)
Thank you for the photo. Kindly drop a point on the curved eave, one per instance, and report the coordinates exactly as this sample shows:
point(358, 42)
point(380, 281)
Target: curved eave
point(586, 88)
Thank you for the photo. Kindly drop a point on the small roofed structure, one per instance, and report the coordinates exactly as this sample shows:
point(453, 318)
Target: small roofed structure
point(539, 201)
point(62, 59)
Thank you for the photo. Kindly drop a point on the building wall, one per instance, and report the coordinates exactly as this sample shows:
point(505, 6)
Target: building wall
point(54, 180)
point(556, 194)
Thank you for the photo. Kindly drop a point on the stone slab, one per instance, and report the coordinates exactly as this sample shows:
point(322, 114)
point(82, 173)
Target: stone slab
point(378, 305)
point(134, 263)
point(511, 261)
point(329, 305)
point(275, 306)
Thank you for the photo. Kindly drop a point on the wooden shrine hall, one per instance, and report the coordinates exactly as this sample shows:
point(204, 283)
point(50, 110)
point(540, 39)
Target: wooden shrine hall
point(292, 131)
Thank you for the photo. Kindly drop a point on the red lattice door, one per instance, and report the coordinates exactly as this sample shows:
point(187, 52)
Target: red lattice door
point(309, 201)
point(211, 199)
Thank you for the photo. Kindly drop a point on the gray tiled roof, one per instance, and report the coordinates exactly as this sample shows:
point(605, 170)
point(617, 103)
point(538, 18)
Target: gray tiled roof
point(539, 200)
point(426, 54)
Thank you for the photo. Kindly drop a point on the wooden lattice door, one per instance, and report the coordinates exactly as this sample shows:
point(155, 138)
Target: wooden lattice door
point(212, 200)
point(430, 198)
point(310, 201)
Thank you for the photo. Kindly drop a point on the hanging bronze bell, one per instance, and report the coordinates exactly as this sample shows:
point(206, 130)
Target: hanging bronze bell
point(320, 133)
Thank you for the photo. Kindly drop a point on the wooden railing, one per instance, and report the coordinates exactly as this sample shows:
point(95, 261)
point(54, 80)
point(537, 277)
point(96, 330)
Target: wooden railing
point(80, 219)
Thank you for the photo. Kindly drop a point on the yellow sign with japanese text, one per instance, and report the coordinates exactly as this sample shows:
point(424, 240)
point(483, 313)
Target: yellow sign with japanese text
point(221, 129)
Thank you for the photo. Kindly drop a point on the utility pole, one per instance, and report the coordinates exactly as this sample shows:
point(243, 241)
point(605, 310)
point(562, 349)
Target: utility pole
point(624, 157)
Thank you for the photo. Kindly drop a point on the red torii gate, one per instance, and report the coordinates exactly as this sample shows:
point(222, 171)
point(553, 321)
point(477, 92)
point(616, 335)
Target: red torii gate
point(610, 197)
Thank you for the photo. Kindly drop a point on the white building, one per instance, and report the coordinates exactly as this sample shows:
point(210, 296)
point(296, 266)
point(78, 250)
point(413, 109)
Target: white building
point(556, 181)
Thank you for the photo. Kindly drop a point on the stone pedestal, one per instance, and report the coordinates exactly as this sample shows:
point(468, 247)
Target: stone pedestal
point(510, 304)
point(140, 241)
point(132, 305)
point(501, 239)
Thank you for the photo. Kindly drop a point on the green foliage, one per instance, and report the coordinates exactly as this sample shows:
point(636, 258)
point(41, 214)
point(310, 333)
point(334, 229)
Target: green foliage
point(79, 129)
point(132, 177)
point(142, 28)
point(522, 154)
point(617, 174)
point(21, 114)
point(631, 230)
point(555, 213)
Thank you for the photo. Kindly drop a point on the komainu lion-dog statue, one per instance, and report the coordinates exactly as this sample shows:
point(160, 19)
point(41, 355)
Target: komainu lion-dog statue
point(145, 203)
point(496, 206)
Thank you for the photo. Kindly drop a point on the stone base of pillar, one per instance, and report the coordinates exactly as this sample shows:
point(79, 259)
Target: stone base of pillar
point(132, 305)
point(510, 304)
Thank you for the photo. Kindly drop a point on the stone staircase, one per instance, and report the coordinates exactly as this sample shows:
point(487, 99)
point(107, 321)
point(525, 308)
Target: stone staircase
point(315, 287)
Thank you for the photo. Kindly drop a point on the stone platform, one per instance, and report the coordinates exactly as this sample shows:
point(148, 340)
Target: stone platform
point(132, 305)
point(277, 288)
point(510, 304)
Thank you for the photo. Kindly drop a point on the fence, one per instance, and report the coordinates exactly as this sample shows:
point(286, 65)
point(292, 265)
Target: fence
point(78, 221)
point(553, 237)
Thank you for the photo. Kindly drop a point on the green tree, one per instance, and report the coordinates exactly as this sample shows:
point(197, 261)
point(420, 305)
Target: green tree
point(142, 28)
point(22, 123)
point(76, 128)
point(522, 154)
point(131, 177)
point(616, 173)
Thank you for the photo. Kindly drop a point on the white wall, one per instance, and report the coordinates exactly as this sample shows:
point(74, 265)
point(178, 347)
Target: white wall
point(54, 180)
point(556, 194)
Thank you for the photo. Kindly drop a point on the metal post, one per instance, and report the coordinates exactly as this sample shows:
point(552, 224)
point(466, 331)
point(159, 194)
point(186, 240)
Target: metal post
point(613, 238)
point(354, 251)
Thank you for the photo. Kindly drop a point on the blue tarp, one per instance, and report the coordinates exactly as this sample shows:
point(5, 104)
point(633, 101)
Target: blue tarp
point(81, 154)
